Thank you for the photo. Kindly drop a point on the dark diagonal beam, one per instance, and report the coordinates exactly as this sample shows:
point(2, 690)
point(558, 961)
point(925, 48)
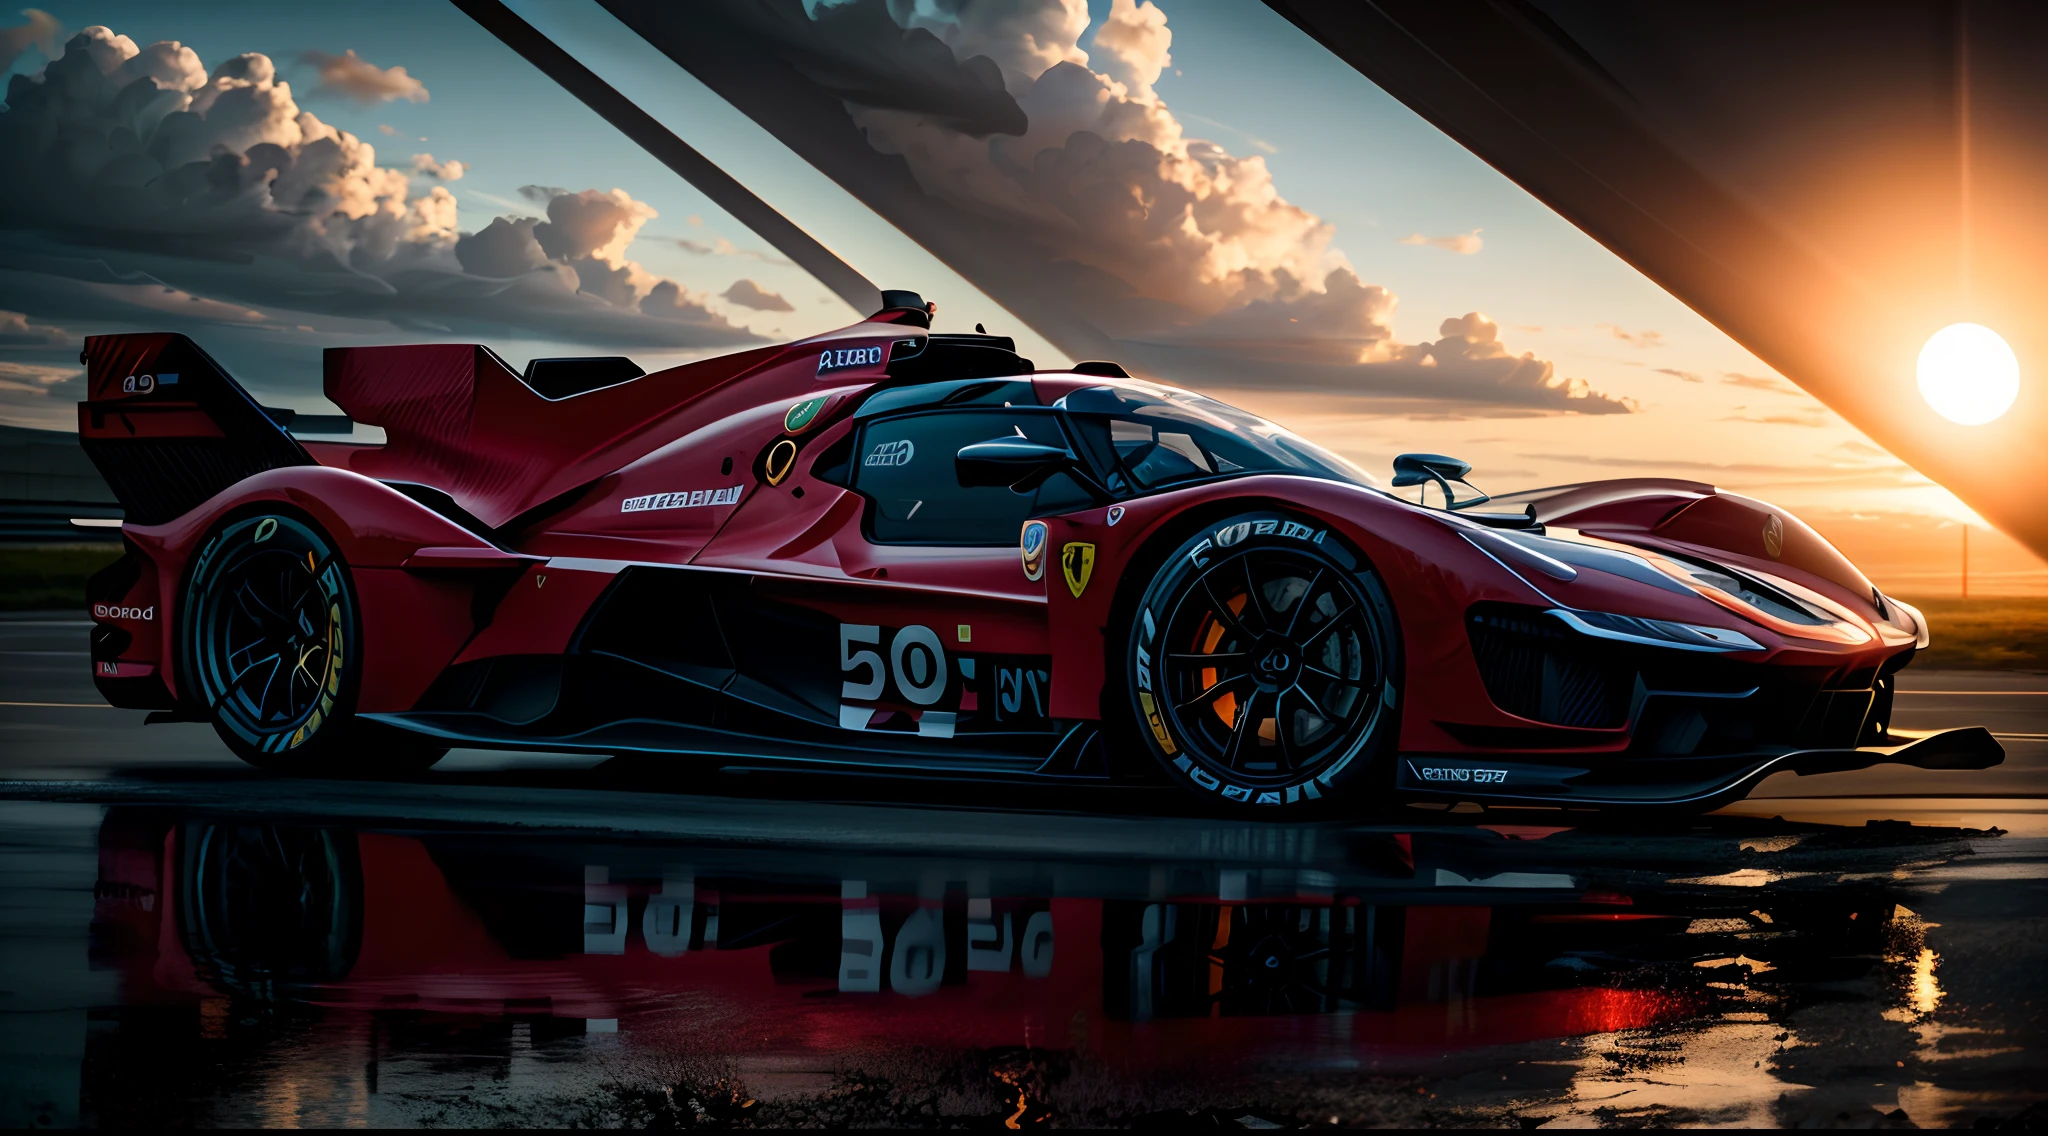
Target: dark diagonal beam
point(722, 188)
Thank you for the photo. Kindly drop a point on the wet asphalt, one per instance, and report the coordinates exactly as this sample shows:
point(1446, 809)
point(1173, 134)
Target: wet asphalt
point(548, 939)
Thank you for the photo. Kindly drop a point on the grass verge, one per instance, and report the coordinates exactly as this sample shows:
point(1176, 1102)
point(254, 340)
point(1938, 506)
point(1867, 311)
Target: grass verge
point(1987, 633)
point(50, 577)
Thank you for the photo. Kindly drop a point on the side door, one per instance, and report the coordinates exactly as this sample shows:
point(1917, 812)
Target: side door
point(961, 600)
point(932, 626)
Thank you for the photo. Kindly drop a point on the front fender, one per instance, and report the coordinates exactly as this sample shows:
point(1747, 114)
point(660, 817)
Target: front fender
point(1431, 573)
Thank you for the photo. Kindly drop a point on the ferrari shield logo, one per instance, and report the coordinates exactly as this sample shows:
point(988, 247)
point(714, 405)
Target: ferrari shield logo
point(1077, 563)
point(1032, 546)
point(1774, 535)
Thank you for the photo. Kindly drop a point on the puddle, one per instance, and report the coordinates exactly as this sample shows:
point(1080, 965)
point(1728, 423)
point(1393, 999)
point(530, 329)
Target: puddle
point(171, 967)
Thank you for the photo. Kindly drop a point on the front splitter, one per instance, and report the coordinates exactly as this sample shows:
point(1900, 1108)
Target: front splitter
point(1609, 780)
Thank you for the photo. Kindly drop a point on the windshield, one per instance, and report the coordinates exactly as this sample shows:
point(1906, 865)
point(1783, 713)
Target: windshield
point(1155, 437)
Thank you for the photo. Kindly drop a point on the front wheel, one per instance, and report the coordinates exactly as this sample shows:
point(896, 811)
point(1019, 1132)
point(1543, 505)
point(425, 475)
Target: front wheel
point(272, 655)
point(1262, 666)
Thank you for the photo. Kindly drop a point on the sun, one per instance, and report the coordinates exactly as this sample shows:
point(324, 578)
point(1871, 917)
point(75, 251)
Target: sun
point(1968, 374)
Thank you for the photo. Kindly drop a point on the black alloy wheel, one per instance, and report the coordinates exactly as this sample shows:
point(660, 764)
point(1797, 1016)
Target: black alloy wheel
point(1275, 959)
point(268, 909)
point(271, 652)
point(1263, 664)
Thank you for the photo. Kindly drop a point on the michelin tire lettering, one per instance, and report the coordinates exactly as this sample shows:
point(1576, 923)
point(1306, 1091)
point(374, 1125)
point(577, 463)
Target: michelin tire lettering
point(1230, 535)
point(1160, 698)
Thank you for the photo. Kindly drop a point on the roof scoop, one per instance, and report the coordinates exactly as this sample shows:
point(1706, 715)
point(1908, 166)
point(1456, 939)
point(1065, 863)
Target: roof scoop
point(901, 305)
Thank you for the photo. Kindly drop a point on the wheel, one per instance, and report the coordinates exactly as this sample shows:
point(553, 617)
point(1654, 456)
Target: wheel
point(268, 909)
point(1262, 667)
point(271, 654)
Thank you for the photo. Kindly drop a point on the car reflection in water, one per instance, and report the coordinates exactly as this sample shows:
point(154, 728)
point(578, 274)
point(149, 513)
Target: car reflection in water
point(318, 974)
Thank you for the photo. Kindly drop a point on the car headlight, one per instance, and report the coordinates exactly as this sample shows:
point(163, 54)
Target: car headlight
point(1781, 609)
point(1756, 594)
point(1921, 637)
point(1655, 632)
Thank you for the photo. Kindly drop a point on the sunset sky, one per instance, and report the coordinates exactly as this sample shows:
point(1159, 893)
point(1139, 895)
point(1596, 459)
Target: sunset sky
point(423, 221)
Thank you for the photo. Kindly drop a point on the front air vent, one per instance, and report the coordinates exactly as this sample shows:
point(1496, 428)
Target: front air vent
point(1533, 668)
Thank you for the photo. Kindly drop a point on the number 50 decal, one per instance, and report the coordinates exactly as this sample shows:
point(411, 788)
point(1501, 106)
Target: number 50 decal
point(917, 661)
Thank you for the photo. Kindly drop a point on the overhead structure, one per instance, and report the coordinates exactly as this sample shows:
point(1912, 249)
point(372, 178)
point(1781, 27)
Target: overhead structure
point(644, 129)
point(1829, 183)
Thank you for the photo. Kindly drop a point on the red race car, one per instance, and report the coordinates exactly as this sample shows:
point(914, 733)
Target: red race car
point(885, 547)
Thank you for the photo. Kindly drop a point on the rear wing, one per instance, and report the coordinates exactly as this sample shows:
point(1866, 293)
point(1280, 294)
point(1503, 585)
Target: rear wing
point(168, 428)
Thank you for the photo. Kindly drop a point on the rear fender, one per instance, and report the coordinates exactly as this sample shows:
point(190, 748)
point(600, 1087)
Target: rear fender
point(125, 602)
point(413, 621)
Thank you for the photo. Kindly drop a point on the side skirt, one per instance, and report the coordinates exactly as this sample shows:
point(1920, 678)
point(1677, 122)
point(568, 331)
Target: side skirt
point(1071, 759)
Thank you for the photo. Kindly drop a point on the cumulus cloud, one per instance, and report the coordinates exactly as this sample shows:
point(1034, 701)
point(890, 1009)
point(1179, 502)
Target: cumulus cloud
point(1023, 38)
point(1134, 42)
point(426, 166)
point(221, 186)
point(39, 32)
point(748, 294)
point(17, 330)
point(1634, 338)
point(592, 225)
point(1464, 244)
point(352, 76)
point(1338, 341)
point(1182, 257)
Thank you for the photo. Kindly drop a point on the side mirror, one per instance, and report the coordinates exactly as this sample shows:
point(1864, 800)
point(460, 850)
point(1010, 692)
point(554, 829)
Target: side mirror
point(1019, 463)
point(1415, 469)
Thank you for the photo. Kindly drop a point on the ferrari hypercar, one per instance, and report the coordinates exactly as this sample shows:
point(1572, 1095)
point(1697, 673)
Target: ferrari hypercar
point(886, 547)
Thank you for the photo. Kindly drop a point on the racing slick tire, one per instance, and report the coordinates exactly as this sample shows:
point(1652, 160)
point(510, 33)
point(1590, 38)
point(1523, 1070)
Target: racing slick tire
point(271, 653)
point(1262, 667)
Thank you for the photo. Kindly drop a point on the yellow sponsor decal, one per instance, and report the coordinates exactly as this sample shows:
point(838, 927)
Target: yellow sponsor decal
point(1077, 563)
point(780, 460)
point(1152, 719)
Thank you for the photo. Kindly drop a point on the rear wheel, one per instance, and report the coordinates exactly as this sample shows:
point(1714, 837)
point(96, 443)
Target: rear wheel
point(1262, 667)
point(269, 909)
point(271, 653)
